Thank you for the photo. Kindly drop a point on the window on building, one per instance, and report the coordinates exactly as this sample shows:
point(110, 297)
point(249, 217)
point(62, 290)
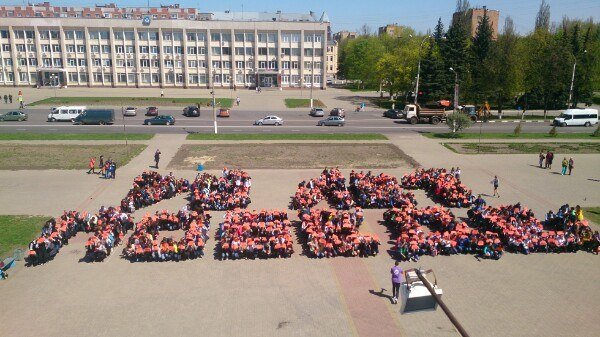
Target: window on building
point(144, 63)
point(193, 79)
point(5, 47)
point(167, 36)
point(106, 62)
point(57, 62)
point(308, 52)
point(72, 62)
point(262, 37)
point(81, 62)
point(20, 47)
point(262, 51)
point(191, 36)
point(119, 49)
point(216, 50)
point(22, 62)
point(239, 64)
point(168, 63)
point(201, 64)
point(295, 51)
point(262, 65)
point(239, 50)
point(249, 65)
point(296, 37)
point(145, 78)
point(120, 63)
point(122, 77)
point(308, 38)
point(249, 51)
point(318, 38)
point(272, 37)
point(202, 78)
point(272, 51)
point(83, 77)
point(239, 37)
point(81, 48)
point(285, 64)
point(285, 79)
point(33, 62)
point(215, 36)
point(295, 64)
point(318, 51)
point(285, 37)
point(168, 49)
point(216, 64)
point(191, 50)
point(73, 77)
point(31, 48)
point(249, 37)
point(131, 78)
point(178, 50)
point(192, 63)
point(201, 50)
point(272, 64)
point(226, 37)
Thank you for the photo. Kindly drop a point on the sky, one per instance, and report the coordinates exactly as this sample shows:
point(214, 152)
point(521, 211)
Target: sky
point(350, 15)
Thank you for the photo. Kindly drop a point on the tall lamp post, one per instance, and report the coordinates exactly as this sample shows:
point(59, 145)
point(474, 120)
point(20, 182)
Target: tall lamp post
point(214, 109)
point(419, 68)
point(573, 82)
point(455, 88)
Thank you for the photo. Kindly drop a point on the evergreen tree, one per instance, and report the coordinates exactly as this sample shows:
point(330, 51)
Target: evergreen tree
point(480, 49)
point(455, 50)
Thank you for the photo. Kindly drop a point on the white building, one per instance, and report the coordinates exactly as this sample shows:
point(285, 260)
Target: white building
point(169, 46)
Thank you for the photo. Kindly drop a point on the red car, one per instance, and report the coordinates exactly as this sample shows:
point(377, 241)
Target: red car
point(152, 111)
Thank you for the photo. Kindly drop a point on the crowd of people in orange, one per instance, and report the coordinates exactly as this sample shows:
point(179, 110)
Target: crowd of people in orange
point(109, 226)
point(145, 243)
point(255, 234)
point(444, 186)
point(378, 191)
point(517, 227)
point(55, 234)
point(330, 185)
point(331, 233)
point(366, 190)
point(230, 191)
point(151, 187)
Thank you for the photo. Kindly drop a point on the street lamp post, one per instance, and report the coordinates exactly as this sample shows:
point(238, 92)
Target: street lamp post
point(573, 82)
point(455, 88)
point(214, 109)
point(419, 68)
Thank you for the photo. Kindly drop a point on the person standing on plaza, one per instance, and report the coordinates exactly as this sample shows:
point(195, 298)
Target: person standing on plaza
point(549, 159)
point(5, 99)
point(10, 98)
point(565, 164)
point(571, 165)
point(542, 157)
point(237, 101)
point(396, 280)
point(162, 93)
point(92, 165)
point(101, 164)
point(156, 158)
point(20, 98)
point(495, 182)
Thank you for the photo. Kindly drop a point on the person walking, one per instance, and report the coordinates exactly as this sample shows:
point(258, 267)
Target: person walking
point(542, 157)
point(571, 165)
point(162, 93)
point(396, 280)
point(10, 98)
point(156, 158)
point(495, 182)
point(237, 101)
point(5, 99)
point(565, 164)
point(549, 159)
point(101, 164)
point(20, 98)
point(92, 165)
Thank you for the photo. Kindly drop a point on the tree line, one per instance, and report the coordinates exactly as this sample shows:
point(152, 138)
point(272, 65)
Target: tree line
point(532, 71)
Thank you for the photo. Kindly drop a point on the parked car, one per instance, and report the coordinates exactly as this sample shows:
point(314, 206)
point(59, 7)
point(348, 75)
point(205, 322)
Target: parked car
point(130, 111)
point(269, 120)
point(585, 117)
point(191, 111)
point(152, 111)
point(392, 113)
point(337, 112)
point(160, 120)
point(317, 112)
point(223, 113)
point(65, 113)
point(332, 121)
point(13, 116)
point(96, 116)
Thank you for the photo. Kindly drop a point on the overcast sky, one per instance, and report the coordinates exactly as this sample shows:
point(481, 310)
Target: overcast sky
point(352, 14)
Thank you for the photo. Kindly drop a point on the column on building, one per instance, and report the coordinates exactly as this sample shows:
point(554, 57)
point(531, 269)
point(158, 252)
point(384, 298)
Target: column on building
point(161, 58)
point(113, 55)
point(38, 52)
point(186, 75)
point(13, 55)
point(210, 76)
point(88, 53)
point(137, 52)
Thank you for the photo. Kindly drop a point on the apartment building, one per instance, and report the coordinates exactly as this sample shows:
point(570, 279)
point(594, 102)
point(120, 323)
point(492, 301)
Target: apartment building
point(474, 16)
point(44, 45)
point(331, 56)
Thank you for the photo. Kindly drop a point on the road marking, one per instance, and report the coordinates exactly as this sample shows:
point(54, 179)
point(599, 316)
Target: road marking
point(21, 129)
point(52, 129)
point(295, 130)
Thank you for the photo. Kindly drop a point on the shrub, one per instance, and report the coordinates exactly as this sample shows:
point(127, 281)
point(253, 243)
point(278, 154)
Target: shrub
point(458, 121)
point(553, 132)
point(518, 129)
point(597, 132)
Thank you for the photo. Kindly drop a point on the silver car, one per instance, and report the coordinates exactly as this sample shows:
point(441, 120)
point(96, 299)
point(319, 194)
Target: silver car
point(269, 120)
point(332, 121)
point(317, 112)
point(130, 111)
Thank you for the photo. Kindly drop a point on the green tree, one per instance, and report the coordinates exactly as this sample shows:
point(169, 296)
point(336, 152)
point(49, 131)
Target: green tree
point(455, 50)
point(458, 121)
point(480, 49)
point(395, 69)
point(360, 57)
point(434, 79)
point(503, 74)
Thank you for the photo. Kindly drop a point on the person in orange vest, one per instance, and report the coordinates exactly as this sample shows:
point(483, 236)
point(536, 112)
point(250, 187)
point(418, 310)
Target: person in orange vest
point(92, 165)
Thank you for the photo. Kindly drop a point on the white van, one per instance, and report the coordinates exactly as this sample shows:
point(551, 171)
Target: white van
point(586, 117)
point(65, 113)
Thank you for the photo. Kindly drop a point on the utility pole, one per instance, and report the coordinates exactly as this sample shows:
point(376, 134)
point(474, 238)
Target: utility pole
point(419, 69)
point(455, 89)
point(214, 108)
point(573, 82)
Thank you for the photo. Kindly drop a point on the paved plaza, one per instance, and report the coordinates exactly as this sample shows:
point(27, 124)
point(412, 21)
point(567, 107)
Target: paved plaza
point(535, 295)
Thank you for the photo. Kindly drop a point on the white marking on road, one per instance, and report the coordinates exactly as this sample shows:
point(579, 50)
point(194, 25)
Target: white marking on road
point(52, 129)
point(295, 130)
point(21, 129)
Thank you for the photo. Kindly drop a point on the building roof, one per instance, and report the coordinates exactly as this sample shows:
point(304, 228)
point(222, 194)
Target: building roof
point(266, 16)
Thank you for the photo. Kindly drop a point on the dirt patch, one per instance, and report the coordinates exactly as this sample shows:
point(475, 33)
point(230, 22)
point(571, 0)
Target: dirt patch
point(62, 157)
point(292, 156)
point(516, 148)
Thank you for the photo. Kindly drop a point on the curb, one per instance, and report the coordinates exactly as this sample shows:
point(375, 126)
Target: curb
point(514, 121)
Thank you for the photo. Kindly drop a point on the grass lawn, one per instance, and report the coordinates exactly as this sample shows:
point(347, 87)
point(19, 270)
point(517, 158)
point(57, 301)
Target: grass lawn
point(74, 136)
point(291, 136)
point(511, 136)
point(62, 157)
point(592, 214)
point(518, 148)
point(291, 156)
point(303, 103)
point(16, 231)
point(140, 102)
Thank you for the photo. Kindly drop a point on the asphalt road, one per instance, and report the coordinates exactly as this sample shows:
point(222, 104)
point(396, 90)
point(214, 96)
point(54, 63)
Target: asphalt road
point(242, 122)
